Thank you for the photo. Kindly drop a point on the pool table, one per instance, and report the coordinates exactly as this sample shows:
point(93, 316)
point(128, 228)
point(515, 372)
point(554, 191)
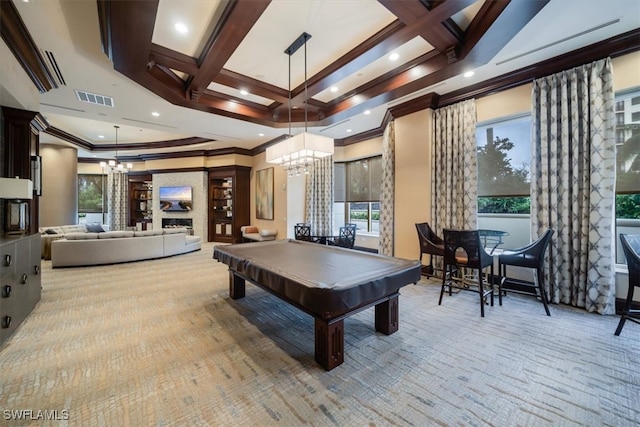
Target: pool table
point(326, 282)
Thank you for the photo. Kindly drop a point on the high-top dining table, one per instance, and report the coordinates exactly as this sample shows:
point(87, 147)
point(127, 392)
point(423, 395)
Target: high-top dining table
point(491, 239)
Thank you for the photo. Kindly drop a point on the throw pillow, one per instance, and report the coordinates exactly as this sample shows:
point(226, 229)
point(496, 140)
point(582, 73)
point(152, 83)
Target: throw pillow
point(50, 231)
point(249, 230)
point(95, 228)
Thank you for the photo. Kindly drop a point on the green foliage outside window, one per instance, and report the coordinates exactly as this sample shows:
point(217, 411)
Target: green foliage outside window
point(363, 215)
point(90, 196)
point(628, 206)
point(504, 205)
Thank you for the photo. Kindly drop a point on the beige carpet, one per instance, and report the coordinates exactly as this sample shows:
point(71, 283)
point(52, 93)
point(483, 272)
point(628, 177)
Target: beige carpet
point(159, 343)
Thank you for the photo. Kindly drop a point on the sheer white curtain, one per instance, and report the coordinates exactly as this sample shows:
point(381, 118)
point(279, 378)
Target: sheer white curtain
point(117, 199)
point(573, 182)
point(454, 183)
point(387, 191)
point(319, 197)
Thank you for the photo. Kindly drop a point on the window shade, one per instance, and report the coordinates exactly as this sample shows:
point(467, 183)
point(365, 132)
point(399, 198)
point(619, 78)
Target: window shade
point(363, 180)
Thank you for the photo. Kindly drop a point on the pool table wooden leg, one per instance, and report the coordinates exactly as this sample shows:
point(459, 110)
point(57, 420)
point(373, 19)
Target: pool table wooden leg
point(329, 343)
point(236, 286)
point(387, 318)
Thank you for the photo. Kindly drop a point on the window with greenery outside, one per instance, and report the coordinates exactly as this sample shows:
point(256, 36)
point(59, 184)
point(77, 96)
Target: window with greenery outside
point(357, 184)
point(91, 198)
point(503, 166)
point(627, 111)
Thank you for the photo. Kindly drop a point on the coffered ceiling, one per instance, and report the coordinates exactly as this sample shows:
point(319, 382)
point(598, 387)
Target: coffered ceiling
point(226, 82)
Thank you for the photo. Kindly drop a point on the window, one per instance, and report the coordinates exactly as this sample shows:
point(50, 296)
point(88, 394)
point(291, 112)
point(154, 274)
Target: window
point(627, 168)
point(92, 198)
point(357, 193)
point(504, 153)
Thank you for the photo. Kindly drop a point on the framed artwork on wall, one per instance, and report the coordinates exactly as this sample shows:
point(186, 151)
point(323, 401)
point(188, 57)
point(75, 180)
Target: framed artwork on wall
point(264, 194)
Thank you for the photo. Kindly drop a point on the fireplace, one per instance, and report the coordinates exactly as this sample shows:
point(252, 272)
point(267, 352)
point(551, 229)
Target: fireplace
point(177, 222)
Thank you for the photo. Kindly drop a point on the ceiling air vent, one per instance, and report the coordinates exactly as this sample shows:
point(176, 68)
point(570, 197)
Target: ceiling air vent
point(54, 66)
point(93, 98)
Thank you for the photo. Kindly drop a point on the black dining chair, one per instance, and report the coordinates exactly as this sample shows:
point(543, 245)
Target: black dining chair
point(463, 250)
point(631, 248)
point(430, 244)
point(346, 237)
point(302, 232)
point(530, 256)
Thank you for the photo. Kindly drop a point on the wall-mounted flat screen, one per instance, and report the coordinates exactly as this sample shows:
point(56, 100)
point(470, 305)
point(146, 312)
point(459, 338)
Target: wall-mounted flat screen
point(176, 198)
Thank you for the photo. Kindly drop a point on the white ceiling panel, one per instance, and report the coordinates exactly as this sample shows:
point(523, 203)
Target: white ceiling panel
point(335, 27)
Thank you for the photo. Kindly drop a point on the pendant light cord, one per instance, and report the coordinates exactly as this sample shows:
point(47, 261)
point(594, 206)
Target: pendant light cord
point(289, 95)
point(305, 85)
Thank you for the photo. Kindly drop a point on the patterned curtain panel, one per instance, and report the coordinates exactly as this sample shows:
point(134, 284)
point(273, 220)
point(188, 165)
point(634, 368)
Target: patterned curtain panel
point(573, 183)
point(454, 183)
point(387, 191)
point(319, 197)
point(117, 198)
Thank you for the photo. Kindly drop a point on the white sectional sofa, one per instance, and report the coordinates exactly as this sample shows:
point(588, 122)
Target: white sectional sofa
point(111, 247)
point(49, 234)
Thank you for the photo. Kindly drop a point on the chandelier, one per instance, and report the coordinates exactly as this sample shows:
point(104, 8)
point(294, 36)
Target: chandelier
point(297, 153)
point(114, 166)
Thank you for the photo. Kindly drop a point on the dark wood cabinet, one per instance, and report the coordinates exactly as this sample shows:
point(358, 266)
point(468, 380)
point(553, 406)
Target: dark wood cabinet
point(141, 201)
point(19, 143)
point(229, 203)
point(20, 280)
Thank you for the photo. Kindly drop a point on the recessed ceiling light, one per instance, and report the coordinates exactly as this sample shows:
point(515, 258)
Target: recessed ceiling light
point(244, 92)
point(181, 28)
point(155, 114)
point(101, 136)
point(468, 74)
point(393, 57)
point(367, 112)
point(261, 134)
point(334, 88)
point(348, 130)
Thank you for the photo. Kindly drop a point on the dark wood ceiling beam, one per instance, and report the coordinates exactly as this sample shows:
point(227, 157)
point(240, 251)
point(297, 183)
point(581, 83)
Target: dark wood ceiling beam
point(17, 37)
point(164, 83)
point(495, 25)
point(237, 25)
point(255, 87)
point(381, 43)
point(215, 103)
point(130, 30)
point(436, 68)
point(385, 41)
point(433, 30)
point(232, 99)
point(168, 78)
point(172, 59)
point(387, 90)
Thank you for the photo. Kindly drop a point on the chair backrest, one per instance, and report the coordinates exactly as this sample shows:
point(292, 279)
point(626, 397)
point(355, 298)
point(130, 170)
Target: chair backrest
point(347, 236)
point(302, 232)
point(539, 247)
point(631, 248)
point(430, 243)
point(469, 242)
